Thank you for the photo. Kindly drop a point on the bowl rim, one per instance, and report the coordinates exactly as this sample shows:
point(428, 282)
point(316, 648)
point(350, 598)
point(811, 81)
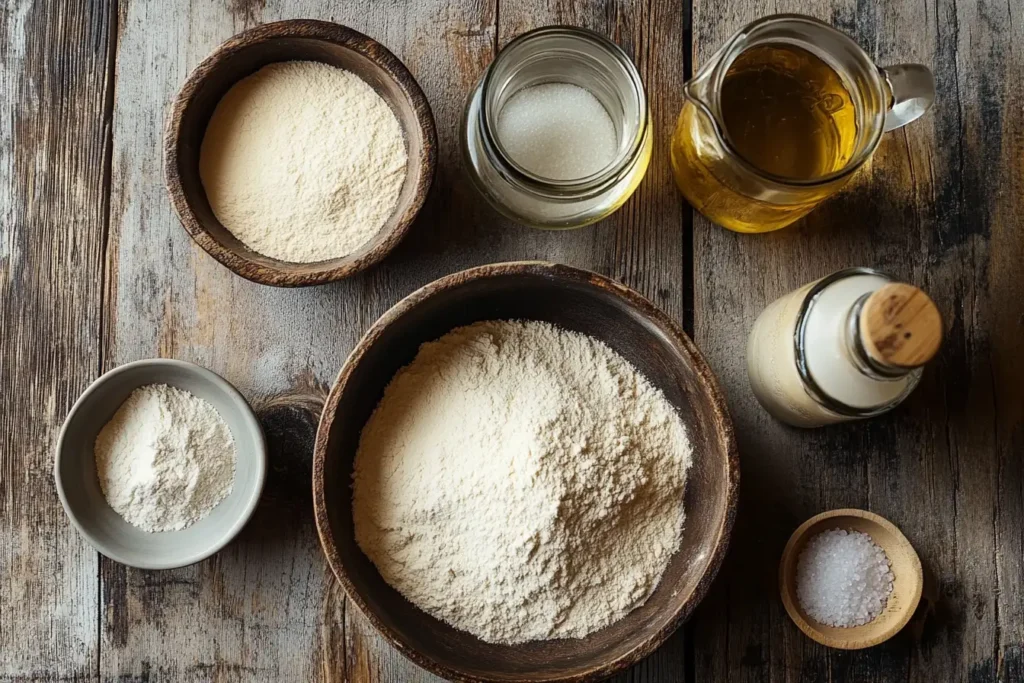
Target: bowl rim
point(248, 416)
point(560, 273)
point(787, 571)
point(335, 34)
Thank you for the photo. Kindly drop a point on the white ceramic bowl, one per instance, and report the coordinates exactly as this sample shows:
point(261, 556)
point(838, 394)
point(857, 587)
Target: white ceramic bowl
point(79, 488)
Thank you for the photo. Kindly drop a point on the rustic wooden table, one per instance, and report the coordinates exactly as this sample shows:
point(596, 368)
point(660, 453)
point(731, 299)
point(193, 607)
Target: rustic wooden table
point(95, 271)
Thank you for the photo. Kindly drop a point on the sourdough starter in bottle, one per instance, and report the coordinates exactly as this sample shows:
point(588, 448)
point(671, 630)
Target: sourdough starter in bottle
point(846, 347)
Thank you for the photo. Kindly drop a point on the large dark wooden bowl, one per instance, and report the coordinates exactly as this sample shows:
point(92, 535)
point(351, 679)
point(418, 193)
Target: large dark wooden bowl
point(243, 55)
point(576, 300)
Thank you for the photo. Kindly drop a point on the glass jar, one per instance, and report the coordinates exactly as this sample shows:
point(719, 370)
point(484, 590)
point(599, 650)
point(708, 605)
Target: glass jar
point(558, 54)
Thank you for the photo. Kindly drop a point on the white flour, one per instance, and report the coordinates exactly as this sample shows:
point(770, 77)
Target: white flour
point(521, 482)
point(303, 162)
point(165, 459)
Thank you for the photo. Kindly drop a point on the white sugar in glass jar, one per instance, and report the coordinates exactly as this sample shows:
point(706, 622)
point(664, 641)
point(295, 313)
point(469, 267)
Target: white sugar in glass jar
point(571, 72)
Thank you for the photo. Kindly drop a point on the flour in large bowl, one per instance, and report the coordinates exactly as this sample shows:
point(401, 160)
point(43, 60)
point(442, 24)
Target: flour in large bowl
point(521, 482)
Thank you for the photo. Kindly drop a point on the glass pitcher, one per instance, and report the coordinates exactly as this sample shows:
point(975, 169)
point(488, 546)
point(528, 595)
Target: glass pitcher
point(743, 196)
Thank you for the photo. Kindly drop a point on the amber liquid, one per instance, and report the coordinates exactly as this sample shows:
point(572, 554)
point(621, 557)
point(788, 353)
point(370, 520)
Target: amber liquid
point(787, 114)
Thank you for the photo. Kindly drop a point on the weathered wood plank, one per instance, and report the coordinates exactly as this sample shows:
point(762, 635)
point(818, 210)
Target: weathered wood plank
point(54, 143)
point(266, 608)
point(939, 205)
point(643, 244)
point(445, 45)
point(168, 298)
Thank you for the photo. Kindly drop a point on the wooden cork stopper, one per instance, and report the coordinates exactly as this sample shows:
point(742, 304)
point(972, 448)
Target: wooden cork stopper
point(900, 326)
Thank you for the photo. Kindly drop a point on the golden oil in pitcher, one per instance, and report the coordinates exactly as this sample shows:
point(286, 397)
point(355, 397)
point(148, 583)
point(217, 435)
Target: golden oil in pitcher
point(781, 117)
point(788, 113)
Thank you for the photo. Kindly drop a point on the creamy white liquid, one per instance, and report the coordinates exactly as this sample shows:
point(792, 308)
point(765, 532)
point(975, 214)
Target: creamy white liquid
point(771, 356)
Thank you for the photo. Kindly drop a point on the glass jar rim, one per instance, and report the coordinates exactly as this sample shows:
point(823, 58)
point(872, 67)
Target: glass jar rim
point(574, 187)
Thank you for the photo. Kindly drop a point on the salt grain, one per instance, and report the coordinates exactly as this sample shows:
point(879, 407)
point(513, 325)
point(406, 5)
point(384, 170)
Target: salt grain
point(558, 131)
point(843, 578)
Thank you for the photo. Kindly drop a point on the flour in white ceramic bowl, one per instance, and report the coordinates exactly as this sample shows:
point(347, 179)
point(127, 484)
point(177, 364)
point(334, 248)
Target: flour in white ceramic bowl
point(165, 459)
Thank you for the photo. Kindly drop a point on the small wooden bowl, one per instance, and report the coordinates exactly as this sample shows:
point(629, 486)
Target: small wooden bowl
point(906, 590)
point(575, 300)
point(243, 55)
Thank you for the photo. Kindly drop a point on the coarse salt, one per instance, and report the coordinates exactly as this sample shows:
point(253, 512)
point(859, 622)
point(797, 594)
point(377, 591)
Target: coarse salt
point(843, 578)
point(558, 131)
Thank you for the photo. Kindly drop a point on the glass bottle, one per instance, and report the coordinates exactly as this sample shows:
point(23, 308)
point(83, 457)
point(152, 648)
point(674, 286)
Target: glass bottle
point(846, 347)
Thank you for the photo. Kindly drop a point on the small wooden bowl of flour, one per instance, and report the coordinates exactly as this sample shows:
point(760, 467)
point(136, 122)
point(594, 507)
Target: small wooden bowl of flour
point(263, 197)
point(573, 301)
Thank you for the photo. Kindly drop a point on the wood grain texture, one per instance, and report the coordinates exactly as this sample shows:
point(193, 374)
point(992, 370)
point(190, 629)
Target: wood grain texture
point(263, 609)
point(168, 298)
point(643, 243)
point(576, 300)
point(54, 143)
point(266, 609)
point(939, 206)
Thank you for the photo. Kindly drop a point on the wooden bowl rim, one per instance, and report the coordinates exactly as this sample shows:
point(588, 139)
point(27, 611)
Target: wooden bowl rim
point(341, 36)
point(787, 581)
point(562, 273)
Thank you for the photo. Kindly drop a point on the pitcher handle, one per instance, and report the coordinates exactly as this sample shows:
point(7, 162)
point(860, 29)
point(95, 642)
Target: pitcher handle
point(913, 91)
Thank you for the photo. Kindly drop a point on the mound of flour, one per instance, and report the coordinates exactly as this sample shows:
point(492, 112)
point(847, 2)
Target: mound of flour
point(303, 161)
point(521, 482)
point(165, 459)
